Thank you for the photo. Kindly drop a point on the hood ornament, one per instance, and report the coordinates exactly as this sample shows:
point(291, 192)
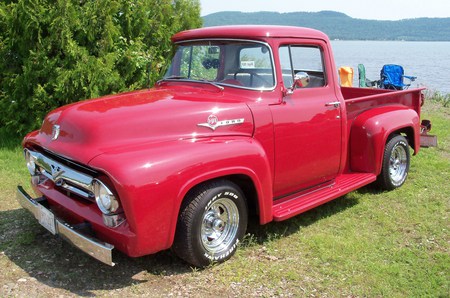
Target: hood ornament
point(213, 122)
point(55, 132)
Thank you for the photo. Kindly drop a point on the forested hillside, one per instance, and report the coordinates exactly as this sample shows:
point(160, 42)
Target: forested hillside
point(340, 26)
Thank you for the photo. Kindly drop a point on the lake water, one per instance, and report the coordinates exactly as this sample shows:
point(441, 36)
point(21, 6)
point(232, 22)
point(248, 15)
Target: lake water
point(428, 61)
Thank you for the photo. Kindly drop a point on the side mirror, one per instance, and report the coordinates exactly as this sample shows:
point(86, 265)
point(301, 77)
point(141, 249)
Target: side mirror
point(301, 80)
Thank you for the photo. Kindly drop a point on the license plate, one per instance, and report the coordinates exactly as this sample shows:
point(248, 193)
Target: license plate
point(47, 219)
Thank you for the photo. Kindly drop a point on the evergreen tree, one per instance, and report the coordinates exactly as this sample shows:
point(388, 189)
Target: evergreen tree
point(55, 52)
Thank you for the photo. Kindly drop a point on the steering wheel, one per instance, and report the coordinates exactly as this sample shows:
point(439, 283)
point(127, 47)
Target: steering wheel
point(253, 74)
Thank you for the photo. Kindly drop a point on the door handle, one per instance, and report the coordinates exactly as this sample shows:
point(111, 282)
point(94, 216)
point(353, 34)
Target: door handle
point(333, 104)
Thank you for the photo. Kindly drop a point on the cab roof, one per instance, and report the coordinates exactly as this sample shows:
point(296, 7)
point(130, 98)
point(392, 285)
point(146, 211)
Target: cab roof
point(249, 32)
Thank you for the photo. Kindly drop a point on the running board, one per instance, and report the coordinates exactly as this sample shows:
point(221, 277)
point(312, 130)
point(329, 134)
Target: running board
point(342, 185)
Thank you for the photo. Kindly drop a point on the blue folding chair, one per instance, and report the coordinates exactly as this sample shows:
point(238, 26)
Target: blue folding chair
point(391, 77)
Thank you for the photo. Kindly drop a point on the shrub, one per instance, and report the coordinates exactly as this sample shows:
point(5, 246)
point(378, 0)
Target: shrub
point(57, 52)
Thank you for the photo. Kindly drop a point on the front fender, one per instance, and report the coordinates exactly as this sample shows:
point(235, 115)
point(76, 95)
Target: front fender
point(370, 131)
point(152, 180)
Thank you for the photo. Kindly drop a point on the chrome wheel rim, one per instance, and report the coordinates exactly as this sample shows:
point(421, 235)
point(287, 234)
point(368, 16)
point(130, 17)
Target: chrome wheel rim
point(220, 225)
point(398, 163)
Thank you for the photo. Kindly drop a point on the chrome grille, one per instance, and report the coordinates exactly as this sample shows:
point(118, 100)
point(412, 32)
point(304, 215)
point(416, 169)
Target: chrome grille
point(63, 176)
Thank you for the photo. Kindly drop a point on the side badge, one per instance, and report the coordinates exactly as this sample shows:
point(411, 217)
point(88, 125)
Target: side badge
point(213, 122)
point(55, 132)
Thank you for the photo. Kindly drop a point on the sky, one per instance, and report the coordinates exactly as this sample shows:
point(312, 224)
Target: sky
point(372, 10)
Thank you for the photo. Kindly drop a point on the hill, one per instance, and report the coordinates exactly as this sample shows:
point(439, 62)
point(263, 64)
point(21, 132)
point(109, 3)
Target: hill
point(340, 26)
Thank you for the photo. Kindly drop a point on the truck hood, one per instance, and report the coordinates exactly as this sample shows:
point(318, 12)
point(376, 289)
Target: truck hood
point(90, 128)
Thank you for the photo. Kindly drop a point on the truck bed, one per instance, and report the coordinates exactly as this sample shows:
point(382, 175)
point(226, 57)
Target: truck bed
point(358, 100)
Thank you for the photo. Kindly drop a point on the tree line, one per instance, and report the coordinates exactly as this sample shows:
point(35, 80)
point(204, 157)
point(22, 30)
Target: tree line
point(340, 26)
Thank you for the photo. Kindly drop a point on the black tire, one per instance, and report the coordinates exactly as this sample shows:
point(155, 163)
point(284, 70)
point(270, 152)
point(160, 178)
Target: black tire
point(396, 160)
point(212, 221)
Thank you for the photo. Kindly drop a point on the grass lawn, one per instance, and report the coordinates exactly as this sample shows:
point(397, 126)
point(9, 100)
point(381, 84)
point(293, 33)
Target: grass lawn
point(367, 243)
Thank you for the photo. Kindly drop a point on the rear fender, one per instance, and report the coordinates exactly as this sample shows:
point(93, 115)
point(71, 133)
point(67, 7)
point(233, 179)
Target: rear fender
point(371, 130)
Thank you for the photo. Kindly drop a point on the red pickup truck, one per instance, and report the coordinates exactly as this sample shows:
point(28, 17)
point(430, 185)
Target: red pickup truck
point(247, 119)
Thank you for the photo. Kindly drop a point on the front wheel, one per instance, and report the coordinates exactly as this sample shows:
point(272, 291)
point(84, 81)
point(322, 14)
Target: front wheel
point(212, 221)
point(396, 160)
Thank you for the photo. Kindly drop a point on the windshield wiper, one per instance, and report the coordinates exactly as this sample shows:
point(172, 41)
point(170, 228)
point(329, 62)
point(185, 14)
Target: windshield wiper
point(171, 78)
point(212, 83)
point(186, 78)
point(175, 78)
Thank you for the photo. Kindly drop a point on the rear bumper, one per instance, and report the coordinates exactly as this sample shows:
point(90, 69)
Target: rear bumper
point(427, 140)
point(95, 248)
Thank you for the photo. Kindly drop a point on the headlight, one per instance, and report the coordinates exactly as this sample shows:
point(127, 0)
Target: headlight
point(31, 162)
point(104, 197)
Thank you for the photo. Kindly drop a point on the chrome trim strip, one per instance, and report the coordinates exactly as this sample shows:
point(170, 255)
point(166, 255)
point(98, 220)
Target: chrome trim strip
point(66, 159)
point(97, 249)
point(72, 180)
point(75, 190)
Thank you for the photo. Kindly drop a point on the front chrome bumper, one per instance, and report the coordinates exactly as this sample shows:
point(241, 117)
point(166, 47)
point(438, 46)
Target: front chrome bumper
point(95, 248)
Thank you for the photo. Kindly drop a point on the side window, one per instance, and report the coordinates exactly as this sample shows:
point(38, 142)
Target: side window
point(306, 59)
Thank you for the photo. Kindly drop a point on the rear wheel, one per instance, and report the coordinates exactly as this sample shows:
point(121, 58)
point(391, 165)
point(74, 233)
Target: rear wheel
point(396, 160)
point(212, 221)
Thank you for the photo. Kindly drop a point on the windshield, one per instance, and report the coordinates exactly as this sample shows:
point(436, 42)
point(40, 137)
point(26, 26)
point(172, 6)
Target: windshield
point(240, 64)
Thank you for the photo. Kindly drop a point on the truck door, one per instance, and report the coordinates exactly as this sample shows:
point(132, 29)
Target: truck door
point(307, 125)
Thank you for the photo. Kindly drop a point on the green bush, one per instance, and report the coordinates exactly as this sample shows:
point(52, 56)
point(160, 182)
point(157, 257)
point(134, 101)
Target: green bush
point(57, 52)
point(442, 98)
